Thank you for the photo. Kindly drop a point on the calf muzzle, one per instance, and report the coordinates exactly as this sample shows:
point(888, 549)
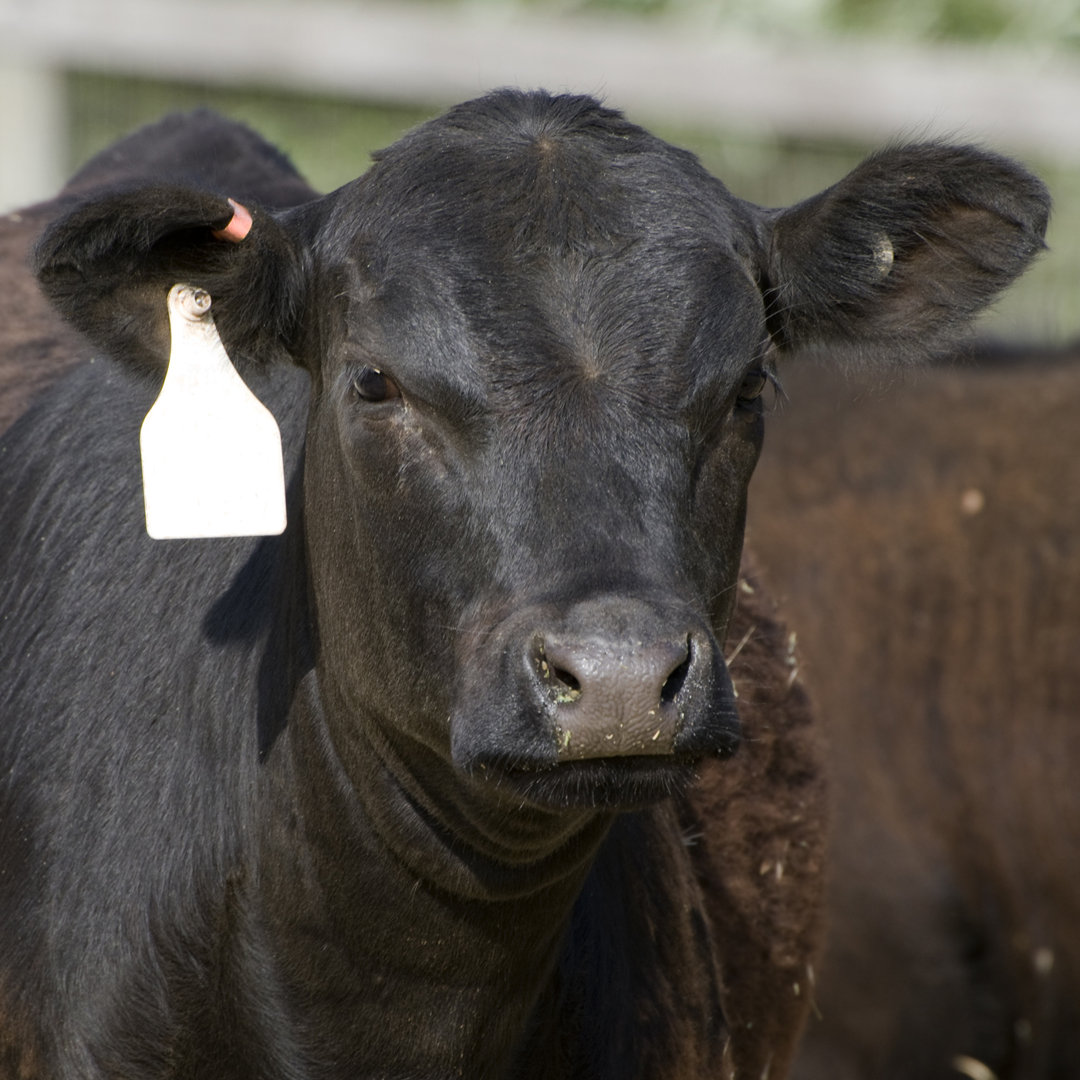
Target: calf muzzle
point(609, 678)
point(612, 697)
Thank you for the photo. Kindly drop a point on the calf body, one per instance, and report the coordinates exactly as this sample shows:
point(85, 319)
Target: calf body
point(409, 791)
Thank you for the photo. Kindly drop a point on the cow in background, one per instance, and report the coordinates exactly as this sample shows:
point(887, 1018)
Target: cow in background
point(936, 592)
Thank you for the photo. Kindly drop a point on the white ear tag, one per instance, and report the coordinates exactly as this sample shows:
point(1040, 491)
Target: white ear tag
point(211, 451)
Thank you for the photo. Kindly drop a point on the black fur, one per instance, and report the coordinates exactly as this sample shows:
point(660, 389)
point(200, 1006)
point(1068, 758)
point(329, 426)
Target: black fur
point(300, 808)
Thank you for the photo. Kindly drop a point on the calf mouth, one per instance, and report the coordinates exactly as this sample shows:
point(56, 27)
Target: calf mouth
point(627, 781)
point(537, 772)
point(624, 783)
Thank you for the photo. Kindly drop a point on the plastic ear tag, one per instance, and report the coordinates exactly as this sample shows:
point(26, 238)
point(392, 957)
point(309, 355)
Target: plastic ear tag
point(211, 451)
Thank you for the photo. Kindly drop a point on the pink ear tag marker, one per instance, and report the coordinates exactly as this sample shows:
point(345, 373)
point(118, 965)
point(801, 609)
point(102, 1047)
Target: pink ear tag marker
point(239, 224)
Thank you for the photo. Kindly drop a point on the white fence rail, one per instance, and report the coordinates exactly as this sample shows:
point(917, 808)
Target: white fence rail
point(415, 51)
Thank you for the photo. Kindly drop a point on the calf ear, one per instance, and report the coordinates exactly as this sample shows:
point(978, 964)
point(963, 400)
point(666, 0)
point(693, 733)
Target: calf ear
point(900, 255)
point(108, 265)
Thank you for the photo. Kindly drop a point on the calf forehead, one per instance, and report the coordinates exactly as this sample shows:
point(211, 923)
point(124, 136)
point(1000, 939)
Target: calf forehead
point(548, 236)
point(515, 178)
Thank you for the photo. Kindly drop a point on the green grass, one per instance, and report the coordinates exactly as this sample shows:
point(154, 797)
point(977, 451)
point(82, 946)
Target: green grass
point(331, 141)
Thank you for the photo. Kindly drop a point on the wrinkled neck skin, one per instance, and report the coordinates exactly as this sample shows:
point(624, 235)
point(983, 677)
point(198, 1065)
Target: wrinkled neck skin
point(420, 913)
point(470, 839)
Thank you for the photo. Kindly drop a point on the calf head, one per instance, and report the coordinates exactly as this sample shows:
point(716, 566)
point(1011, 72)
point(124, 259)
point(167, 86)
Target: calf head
point(539, 339)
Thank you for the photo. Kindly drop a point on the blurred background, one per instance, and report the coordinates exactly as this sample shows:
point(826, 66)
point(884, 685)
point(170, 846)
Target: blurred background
point(778, 97)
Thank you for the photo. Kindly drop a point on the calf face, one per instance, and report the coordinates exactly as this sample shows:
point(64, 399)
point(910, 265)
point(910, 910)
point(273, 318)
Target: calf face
point(538, 340)
point(523, 414)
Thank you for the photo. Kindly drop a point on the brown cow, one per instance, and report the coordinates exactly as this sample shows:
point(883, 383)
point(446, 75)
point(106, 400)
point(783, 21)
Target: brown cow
point(35, 344)
point(936, 591)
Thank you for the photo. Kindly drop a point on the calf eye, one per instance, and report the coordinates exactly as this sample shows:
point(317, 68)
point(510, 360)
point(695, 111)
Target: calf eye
point(370, 384)
point(753, 386)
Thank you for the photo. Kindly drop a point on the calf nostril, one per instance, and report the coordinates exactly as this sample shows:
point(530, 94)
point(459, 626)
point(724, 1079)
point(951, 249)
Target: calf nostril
point(562, 684)
point(565, 685)
point(674, 682)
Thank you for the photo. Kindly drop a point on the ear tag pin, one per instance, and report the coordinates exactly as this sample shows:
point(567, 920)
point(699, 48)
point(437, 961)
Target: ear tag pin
point(211, 451)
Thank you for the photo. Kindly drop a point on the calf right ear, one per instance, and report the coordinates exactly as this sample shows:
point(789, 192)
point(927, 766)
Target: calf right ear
point(108, 265)
point(896, 258)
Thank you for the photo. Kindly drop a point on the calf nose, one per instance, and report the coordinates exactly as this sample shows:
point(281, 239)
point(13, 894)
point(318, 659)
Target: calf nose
point(614, 698)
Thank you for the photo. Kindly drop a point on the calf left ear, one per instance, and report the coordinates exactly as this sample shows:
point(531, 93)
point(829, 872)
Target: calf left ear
point(108, 265)
point(901, 254)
